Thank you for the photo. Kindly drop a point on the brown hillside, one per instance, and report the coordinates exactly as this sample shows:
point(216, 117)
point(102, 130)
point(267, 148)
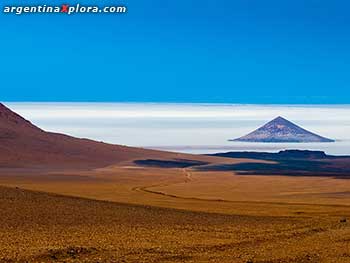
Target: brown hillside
point(22, 144)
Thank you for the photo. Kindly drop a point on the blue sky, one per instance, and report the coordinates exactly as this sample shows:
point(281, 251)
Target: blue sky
point(243, 51)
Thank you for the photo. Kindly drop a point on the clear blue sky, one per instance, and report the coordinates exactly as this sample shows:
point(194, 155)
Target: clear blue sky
point(238, 51)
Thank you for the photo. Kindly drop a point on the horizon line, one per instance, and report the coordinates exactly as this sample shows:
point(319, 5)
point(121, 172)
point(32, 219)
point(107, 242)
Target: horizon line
point(179, 103)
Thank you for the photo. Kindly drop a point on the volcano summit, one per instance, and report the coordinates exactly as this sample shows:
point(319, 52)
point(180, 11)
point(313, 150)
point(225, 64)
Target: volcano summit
point(281, 130)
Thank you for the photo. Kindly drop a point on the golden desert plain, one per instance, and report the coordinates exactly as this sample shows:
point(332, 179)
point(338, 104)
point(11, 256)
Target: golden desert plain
point(64, 199)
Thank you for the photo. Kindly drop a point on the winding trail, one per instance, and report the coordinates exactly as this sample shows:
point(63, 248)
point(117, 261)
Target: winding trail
point(189, 178)
point(188, 175)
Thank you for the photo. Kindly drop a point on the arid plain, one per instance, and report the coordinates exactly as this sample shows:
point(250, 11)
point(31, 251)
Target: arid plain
point(54, 210)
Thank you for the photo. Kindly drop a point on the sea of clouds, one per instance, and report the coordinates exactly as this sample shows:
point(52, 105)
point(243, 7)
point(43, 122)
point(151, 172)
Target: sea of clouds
point(195, 128)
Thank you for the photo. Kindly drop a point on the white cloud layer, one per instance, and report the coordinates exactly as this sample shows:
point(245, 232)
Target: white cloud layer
point(187, 127)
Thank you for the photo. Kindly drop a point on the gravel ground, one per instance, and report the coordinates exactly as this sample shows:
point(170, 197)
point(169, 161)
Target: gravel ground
point(41, 227)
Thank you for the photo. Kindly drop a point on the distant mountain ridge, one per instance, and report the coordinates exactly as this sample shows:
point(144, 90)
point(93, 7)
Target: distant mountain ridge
point(281, 155)
point(280, 130)
point(287, 162)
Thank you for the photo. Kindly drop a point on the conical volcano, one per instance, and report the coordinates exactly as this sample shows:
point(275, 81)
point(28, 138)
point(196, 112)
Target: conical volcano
point(280, 130)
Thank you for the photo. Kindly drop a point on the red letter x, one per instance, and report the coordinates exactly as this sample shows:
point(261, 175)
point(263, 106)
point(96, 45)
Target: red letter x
point(64, 9)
